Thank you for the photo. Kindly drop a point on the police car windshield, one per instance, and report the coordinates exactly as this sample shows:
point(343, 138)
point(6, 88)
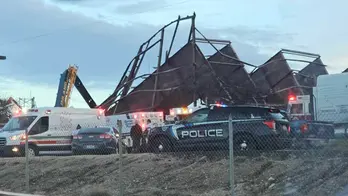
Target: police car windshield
point(18, 123)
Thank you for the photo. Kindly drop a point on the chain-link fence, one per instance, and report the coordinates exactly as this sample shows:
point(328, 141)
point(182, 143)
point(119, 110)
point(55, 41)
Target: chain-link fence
point(133, 154)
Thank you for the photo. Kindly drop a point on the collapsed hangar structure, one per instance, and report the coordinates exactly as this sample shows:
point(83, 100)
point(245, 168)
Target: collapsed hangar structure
point(188, 75)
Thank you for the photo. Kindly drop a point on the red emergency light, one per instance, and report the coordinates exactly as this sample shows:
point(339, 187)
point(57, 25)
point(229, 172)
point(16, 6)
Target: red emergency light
point(18, 112)
point(292, 98)
point(100, 112)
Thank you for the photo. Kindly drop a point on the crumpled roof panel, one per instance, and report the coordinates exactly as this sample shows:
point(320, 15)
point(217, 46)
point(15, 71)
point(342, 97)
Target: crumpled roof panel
point(313, 70)
point(180, 81)
point(276, 72)
point(232, 73)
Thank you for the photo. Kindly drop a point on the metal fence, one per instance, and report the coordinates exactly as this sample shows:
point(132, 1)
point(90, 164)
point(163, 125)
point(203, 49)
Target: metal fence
point(263, 156)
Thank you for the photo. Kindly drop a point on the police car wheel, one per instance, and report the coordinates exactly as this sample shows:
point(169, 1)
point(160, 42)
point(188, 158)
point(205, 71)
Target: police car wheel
point(161, 144)
point(243, 143)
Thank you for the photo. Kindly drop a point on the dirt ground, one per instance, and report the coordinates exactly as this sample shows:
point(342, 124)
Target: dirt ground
point(319, 173)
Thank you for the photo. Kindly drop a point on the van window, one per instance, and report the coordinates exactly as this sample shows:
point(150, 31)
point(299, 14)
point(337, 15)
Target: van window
point(297, 108)
point(40, 126)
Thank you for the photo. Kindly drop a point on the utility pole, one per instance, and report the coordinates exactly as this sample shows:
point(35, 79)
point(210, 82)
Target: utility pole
point(27, 102)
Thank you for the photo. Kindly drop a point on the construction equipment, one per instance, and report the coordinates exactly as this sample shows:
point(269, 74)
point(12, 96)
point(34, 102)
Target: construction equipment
point(68, 80)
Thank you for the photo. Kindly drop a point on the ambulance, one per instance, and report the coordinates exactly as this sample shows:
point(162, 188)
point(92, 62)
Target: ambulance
point(177, 114)
point(49, 129)
point(128, 120)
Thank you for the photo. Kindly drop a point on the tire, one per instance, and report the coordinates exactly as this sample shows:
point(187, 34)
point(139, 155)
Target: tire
point(129, 150)
point(161, 144)
point(32, 151)
point(243, 142)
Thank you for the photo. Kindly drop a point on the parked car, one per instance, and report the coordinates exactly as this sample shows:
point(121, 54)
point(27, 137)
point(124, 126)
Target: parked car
point(98, 140)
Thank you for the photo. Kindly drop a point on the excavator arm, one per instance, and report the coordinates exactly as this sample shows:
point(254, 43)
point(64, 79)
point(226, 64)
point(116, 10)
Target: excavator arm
point(68, 80)
point(84, 93)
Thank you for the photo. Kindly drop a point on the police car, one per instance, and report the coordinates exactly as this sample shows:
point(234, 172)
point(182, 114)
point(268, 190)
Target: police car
point(254, 128)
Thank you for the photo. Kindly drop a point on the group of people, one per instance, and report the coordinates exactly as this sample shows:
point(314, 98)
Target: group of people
point(139, 135)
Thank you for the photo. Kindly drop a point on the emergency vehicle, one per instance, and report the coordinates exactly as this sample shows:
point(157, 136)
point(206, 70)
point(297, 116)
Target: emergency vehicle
point(323, 113)
point(128, 120)
point(49, 129)
point(327, 102)
point(176, 114)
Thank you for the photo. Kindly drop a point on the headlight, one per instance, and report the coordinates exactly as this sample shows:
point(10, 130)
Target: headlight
point(18, 137)
point(117, 135)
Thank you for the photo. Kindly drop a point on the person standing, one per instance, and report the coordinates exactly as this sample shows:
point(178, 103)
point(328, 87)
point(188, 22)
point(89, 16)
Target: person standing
point(136, 134)
point(148, 127)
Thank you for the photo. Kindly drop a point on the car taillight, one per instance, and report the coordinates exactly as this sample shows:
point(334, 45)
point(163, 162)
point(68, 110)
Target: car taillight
point(289, 129)
point(77, 137)
point(105, 136)
point(270, 123)
point(304, 128)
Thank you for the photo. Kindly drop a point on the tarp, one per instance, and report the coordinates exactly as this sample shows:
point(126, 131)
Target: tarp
point(277, 76)
point(308, 75)
point(179, 84)
point(233, 75)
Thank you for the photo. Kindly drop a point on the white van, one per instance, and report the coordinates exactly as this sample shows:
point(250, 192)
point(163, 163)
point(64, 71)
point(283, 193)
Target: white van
point(49, 129)
point(128, 120)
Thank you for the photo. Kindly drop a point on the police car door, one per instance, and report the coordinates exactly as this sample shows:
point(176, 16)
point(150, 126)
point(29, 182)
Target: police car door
point(191, 132)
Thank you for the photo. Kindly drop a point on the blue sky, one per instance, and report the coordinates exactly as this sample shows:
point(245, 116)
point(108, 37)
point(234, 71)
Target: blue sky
point(42, 37)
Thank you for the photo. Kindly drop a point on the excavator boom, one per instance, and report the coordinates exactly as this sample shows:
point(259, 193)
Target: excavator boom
point(68, 80)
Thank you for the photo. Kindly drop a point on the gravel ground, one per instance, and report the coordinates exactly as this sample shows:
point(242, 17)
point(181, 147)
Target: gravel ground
point(319, 173)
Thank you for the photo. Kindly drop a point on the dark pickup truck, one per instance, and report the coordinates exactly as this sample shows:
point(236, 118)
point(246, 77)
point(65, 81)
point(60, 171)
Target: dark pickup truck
point(253, 128)
point(307, 129)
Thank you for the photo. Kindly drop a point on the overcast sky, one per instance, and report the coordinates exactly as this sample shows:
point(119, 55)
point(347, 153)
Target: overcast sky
point(42, 37)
